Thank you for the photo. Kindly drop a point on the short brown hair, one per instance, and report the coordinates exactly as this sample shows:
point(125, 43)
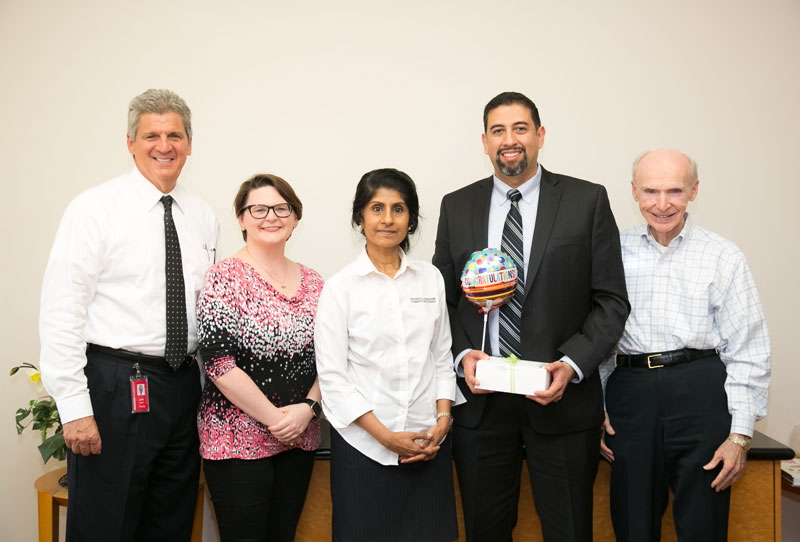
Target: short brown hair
point(260, 180)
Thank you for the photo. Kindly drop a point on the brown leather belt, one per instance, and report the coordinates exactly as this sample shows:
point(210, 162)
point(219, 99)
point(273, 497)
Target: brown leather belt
point(657, 360)
point(136, 357)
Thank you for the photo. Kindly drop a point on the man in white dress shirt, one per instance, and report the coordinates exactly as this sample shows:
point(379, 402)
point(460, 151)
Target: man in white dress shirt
point(692, 368)
point(118, 330)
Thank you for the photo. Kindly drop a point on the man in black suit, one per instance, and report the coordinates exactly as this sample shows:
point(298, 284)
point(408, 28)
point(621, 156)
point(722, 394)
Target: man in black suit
point(571, 306)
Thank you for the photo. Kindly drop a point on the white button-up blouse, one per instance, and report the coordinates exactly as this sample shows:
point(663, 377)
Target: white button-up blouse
point(383, 345)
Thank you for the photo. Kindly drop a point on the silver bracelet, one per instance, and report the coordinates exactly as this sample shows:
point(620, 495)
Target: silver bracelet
point(444, 415)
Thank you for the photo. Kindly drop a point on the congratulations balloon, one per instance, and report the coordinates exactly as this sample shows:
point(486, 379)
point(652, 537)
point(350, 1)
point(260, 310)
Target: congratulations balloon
point(489, 278)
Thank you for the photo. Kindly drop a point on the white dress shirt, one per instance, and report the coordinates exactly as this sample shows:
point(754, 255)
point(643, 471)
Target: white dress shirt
point(105, 281)
point(383, 345)
point(698, 293)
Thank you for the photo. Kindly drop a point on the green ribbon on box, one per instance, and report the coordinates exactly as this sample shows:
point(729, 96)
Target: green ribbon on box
point(512, 360)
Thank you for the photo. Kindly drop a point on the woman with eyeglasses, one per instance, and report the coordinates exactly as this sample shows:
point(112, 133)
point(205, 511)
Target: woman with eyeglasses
point(386, 374)
point(258, 417)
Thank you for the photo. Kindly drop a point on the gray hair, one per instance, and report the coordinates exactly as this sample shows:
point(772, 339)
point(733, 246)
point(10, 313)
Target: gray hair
point(692, 164)
point(158, 101)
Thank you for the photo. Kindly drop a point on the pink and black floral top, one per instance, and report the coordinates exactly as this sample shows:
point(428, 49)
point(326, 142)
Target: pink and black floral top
point(244, 322)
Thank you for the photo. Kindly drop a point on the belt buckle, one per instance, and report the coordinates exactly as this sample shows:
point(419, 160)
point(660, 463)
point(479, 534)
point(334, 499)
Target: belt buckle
point(649, 364)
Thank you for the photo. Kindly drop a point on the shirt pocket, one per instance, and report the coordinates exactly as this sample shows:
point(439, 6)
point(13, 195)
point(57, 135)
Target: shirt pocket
point(197, 257)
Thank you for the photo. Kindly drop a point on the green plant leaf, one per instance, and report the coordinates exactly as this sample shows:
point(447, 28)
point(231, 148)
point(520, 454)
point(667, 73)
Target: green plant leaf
point(53, 447)
point(42, 415)
point(22, 413)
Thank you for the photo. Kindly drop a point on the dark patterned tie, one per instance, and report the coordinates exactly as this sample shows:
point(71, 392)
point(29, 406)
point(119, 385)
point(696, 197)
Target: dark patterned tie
point(511, 312)
point(177, 326)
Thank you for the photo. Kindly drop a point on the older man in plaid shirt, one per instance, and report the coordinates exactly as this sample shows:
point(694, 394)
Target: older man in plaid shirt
point(692, 367)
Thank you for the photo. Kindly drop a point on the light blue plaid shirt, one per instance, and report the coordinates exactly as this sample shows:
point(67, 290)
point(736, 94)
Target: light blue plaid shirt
point(698, 293)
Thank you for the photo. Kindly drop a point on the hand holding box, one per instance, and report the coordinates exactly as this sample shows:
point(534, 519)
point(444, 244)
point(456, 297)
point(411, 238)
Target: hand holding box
point(512, 375)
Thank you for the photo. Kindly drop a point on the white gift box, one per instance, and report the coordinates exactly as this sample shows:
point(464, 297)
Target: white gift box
point(522, 377)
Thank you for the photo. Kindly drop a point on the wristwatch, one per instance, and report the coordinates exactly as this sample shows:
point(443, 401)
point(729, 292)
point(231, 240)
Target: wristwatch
point(316, 410)
point(444, 414)
point(744, 442)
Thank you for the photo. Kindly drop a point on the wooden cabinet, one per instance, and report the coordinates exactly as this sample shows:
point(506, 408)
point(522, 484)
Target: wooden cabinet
point(755, 502)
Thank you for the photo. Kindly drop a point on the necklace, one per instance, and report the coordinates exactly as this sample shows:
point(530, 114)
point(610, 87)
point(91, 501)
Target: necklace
point(282, 282)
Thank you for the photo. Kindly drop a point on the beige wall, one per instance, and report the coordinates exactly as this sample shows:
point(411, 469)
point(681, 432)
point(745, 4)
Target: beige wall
point(321, 95)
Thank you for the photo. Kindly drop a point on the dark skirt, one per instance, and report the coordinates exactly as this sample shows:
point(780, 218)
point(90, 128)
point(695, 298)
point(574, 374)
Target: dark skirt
point(391, 503)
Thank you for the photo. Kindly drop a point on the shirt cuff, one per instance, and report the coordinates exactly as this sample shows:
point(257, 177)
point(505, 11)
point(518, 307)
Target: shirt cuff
point(344, 415)
point(457, 362)
point(578, 373)
point(743, 424)
point(446, 390)
point(75, 407)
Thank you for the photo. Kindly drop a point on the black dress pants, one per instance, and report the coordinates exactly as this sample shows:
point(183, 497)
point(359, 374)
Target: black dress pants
point(488, 461)
point(259, 500)
point(143, 484)
point(668, 424)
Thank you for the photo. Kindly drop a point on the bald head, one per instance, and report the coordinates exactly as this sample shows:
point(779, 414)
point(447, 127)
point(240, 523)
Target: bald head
point(668, 162)
point(664, 182)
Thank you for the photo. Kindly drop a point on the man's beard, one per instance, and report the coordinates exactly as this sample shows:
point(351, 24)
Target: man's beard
point(512, 171)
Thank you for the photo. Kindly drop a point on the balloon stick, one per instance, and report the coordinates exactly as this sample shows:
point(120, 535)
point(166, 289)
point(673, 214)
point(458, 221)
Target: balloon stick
point(483, 337)
point(485, 318)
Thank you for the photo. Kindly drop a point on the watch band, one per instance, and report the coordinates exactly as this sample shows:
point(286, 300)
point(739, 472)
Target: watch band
point(316, 410)
point(740, 441)
point(444, 414)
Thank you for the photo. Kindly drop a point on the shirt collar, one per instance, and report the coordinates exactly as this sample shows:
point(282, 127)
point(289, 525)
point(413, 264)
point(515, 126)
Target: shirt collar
point(685, 233)
point(527, 189)
point(149, 195)
point(364, 265)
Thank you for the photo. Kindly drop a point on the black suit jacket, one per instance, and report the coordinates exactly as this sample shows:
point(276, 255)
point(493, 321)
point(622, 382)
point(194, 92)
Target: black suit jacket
point(575, 297)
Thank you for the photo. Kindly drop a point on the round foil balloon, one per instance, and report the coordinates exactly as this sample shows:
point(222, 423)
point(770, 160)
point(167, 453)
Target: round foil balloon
point(489, 278)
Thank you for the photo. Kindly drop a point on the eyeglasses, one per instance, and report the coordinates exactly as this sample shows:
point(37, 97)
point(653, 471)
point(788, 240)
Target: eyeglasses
point(282, 210)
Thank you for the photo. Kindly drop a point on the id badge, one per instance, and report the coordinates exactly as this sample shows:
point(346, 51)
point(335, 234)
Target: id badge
point(140, 394)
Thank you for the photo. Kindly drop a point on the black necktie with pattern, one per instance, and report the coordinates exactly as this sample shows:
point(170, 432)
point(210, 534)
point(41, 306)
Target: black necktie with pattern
point(177, 325)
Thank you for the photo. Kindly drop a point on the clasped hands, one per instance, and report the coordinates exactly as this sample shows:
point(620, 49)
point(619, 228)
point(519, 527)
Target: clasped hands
point(413, 447)
point(561, 372)
point(292, 424)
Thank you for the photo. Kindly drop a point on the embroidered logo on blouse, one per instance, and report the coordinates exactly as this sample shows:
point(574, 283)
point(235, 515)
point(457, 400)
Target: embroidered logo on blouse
point(423, 300)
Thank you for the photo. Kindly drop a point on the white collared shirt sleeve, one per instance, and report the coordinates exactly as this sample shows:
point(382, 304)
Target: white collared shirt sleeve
point(342, 401)
point(69, 286)
point(745, 349)
point(441, 349)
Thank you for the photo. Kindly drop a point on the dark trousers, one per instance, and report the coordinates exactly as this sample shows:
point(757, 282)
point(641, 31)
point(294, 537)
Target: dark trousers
point(407, 502)
point(143, 484)
point(489, 462)
point(668, 424)
point(259, 500)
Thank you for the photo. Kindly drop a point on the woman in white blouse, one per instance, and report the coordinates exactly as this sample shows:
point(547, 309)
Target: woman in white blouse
point(385, 370)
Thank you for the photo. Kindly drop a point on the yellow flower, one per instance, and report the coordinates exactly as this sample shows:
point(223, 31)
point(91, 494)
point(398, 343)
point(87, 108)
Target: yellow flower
point(35, 377)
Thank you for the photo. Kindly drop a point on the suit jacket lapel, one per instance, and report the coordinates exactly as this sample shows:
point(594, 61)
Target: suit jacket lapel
point(549, 199)
point(480, 206)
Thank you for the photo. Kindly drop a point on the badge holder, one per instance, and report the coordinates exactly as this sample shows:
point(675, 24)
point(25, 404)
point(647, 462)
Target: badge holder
point(140, 394)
